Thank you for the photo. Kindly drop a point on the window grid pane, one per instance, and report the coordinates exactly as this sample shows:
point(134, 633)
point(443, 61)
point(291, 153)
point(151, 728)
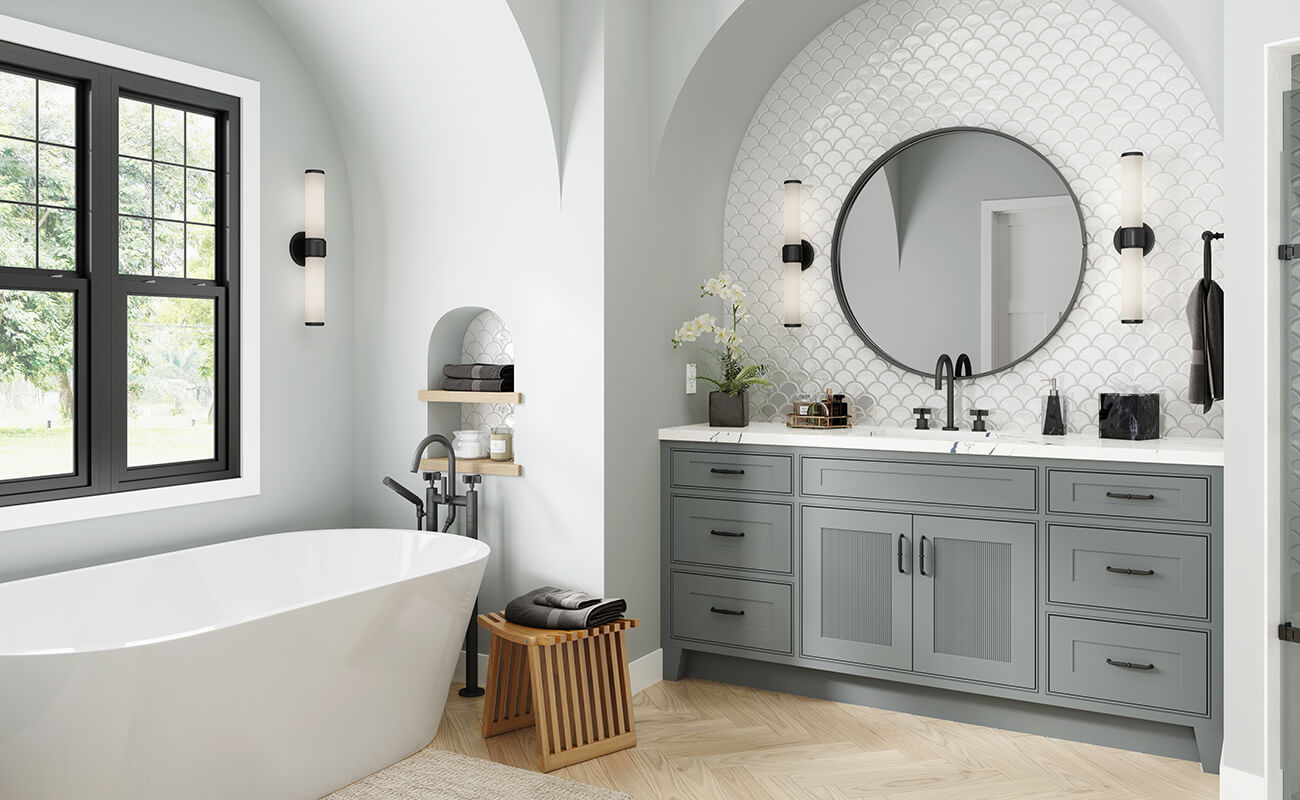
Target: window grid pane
point(37, 380)
point(177, 193)
point(171, 381)
point(38, 170)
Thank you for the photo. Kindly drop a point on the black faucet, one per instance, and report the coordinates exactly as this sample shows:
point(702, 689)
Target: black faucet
point(442, 491)
point(963, 370)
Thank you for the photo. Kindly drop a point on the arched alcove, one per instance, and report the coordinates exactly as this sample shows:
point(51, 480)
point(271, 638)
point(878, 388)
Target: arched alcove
point(468, 335)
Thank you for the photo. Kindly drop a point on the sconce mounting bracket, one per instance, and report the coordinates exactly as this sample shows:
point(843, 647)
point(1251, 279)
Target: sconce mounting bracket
point(1142, 237)
point(301, 248)
point(801, 253)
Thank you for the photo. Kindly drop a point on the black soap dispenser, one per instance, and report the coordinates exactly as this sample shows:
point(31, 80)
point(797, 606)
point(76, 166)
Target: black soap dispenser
point(1053, 415)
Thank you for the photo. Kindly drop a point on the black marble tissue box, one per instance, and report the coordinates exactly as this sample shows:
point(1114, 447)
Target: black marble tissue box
point(1129, 416)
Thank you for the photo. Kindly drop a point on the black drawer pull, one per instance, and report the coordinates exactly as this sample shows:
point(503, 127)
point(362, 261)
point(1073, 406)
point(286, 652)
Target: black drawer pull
point(730, 612)
point(729, 534)
point(1127, 571)
point(1129, 496)
point(720, 471)
point(923, 558)
point(1129, 665)
point(901, 571)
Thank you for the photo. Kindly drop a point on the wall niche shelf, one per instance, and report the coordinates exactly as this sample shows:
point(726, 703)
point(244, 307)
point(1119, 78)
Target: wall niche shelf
point(443, 396)
point(474, 466)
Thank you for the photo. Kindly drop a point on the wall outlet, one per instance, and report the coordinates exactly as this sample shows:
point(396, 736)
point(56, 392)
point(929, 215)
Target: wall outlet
point(690, 378)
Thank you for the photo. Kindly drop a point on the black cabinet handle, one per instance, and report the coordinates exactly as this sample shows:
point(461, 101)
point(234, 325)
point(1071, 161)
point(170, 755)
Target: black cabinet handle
point(727, 611)
point(729, 534)
point(901, 571)
point(923, 557)
point(1129, 496)
point(1127, 571)
point(720, 471)
point(1129, 665)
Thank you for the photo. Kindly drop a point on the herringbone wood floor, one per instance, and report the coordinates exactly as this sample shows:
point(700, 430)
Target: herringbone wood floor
point(699, 739)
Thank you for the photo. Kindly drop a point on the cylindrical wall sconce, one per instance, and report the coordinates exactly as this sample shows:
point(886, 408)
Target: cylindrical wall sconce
point(307, 247)
point(1134, 238)
point(797, 254)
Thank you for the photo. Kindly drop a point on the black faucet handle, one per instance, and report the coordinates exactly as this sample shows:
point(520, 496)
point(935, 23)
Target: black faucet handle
point(979, 425)
point(923, 418)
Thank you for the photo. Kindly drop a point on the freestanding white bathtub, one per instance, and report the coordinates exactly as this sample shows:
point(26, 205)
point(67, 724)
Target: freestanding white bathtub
point(280, 667)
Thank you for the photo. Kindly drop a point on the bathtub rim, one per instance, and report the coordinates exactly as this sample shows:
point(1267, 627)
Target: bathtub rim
point(480, 551)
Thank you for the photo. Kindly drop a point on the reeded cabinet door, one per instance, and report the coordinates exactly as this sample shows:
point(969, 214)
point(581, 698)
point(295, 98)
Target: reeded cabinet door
point(974, 595)
point(857, 586)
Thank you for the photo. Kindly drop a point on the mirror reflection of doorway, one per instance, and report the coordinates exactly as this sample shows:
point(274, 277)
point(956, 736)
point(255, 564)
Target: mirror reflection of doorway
point(1023, 273)
point(1291, 531)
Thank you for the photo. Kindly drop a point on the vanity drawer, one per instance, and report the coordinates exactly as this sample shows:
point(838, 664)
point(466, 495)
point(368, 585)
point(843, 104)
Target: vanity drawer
point(1154, 573)
point(751, 614)
point(732, 533)
point(975, 486)
point(737, 471)
point(1117, 494)
point(1139, 665)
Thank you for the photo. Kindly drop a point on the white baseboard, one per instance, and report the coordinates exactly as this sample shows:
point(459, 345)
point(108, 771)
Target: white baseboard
point(1241, 785)
point(644, 672)
point(459, 674)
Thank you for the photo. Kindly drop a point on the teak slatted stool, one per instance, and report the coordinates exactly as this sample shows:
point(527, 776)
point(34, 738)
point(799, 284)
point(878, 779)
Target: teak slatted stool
point(573, 685)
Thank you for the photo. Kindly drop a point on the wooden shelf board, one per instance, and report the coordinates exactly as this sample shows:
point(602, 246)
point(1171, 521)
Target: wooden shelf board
point(474, 466)
point(442, 396)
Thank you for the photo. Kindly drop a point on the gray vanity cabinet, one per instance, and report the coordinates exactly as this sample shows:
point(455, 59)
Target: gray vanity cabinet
point(939, 595)
point(857, 586)
point(974, 599)
point(1020, 582)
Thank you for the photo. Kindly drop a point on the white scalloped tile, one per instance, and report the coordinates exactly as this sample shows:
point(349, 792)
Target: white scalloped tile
point(1079, 80)
point(487, 341)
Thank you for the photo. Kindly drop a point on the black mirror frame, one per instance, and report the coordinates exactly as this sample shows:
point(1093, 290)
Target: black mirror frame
point(879, 164)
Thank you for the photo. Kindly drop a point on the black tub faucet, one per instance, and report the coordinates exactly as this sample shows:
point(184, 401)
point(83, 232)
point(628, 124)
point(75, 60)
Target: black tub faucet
point(441, 491)
point(944, 368)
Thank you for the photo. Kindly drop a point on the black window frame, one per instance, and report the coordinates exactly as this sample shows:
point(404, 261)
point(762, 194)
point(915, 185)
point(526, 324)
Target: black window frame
point(100, 293)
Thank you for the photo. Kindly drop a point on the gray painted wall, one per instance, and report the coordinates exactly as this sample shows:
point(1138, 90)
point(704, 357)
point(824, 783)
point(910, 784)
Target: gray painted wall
point(306, 373)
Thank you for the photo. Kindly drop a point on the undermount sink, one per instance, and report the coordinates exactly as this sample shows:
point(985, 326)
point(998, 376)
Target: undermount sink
point(964, 435)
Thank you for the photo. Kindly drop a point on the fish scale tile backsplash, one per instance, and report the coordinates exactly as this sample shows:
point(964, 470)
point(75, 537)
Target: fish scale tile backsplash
point(487, 341)
point(1079, 80)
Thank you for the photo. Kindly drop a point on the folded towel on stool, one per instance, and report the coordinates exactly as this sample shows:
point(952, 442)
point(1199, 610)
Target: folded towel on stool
point(475, 385)
point(523, 610)
point(566, 598)
point(489, 372)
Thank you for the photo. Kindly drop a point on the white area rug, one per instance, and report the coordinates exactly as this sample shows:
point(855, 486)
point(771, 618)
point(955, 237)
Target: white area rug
point(439, 775)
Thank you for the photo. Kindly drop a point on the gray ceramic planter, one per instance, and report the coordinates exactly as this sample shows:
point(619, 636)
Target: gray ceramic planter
point(726, 411)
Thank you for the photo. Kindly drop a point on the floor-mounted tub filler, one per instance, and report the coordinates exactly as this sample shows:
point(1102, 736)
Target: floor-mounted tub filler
point(277, 667)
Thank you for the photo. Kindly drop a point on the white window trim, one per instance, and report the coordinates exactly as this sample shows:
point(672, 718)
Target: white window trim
point(248, 484)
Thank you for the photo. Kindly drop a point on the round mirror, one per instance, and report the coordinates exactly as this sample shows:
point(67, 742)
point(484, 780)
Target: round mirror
point(960, 240)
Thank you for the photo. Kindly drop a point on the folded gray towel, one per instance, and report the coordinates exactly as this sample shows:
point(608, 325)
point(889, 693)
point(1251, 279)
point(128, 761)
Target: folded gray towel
point(566, 598)
point(472, 385)
point(489, 372)
point(1205, 318)
point(524, 610)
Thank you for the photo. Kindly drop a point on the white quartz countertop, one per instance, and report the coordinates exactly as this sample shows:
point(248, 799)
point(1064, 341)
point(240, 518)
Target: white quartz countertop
point(1196, 452)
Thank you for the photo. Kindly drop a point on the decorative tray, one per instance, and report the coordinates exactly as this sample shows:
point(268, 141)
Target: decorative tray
point(817, 421)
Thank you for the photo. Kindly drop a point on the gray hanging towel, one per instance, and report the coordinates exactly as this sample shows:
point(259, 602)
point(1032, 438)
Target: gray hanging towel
point(1205, 318)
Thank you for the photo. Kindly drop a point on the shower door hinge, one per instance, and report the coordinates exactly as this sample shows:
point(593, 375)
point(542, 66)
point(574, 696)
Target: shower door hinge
point(1288, 252)
point(1287, 633)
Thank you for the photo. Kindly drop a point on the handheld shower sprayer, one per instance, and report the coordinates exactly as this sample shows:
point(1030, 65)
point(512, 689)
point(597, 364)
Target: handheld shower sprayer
point(411, 497)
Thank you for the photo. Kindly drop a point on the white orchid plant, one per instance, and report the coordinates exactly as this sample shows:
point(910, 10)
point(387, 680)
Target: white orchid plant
point(736, 376)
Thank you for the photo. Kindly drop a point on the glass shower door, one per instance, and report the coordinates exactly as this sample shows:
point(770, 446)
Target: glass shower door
point(1291, 561)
